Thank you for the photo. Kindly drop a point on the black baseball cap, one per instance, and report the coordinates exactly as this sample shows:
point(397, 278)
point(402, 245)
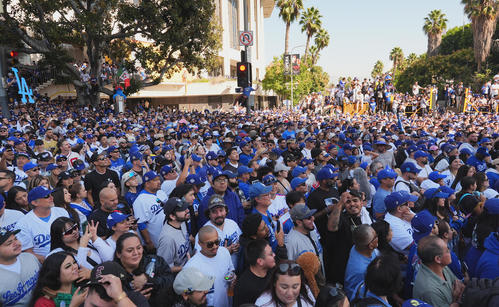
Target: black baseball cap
point(5, 234)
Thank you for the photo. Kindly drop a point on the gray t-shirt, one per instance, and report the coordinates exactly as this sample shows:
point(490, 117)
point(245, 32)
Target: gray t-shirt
point(298, 243)
point(16, 288)
point(173, 244)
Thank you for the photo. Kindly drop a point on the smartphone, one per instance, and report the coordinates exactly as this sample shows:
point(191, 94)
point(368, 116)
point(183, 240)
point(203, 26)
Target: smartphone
point(330, 201)
point(278, 226)
point(148, 285)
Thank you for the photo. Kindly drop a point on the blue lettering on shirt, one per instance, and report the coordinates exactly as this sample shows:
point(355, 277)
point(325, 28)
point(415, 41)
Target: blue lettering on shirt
point(11, 297)
point(41, 240)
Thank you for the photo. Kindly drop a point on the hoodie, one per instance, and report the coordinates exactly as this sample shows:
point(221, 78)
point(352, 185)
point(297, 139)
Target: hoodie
point(488, 265)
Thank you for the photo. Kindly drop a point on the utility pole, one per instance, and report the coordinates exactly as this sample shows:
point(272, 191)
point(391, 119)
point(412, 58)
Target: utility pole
point(3, 95)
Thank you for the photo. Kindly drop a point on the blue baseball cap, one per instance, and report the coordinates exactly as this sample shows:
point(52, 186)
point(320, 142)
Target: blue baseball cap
point(51, 166)
point(465, 151)
point(304, 162)
point(409, 167)
point(325, 173)
point(436, 176)
point(229, 174)
point(269, 179)
point(111, 149)
point(217, 173)
point(37, 193)
point(395, 199)
point(387, 173)
point(194, 179)
point(297, 181)
point(115, 218)
point(435, 193)
point(297, 171)
point(420, 154)
point(135, 156)
point(415, 303)
point(29, 165)
point(221, 153)
point(422, 224)
point(196, 158)
point(484, 151)
point(165, 170)
point(492, 205)
point(150, 175)
point(484, 140)
point(243, 169)
point(258, 188)
point(211, 155)
point(447, 190)
point(2, 201)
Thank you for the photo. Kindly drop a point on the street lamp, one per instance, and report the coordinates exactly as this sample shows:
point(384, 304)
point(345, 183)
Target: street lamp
point(291, 106)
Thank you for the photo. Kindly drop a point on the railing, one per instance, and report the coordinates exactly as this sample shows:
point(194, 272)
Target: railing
point(36, 76)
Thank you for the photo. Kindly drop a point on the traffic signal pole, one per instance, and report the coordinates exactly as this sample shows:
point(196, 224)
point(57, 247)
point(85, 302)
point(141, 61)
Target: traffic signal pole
point(3, 95)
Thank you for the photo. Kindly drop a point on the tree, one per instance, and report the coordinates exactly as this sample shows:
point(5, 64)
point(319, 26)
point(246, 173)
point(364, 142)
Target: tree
point(434, 25)
point(455, 39)
point(311, 24)
point(411, 58)
point(483, 15)
point(377, 69)
point(397, 56)
point(321, 41)
point(289, 12)
point(310, 79)
point(179, 34)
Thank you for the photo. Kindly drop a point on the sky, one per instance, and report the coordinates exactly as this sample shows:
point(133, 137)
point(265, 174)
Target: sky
point(362, 32)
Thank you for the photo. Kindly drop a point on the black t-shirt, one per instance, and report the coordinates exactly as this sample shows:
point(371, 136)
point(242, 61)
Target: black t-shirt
point(94, 180)
point(101, 216)
point(338, 245)
point(316, 201)
point(249, 287)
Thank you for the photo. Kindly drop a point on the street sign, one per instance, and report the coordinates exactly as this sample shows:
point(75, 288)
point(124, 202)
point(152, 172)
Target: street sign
point(246, 38)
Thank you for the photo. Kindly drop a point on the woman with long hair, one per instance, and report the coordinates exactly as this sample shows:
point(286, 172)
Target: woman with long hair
point(451, 172)
point(65, 236)
point(56, 283)
point(483, 186)
point(130, 255)
point(78, 200)
point(287, 287)
point(463, 171)
point(385, 235)
point(62, 199)
point(17, 199)
point(281, 174)
point(37, 181)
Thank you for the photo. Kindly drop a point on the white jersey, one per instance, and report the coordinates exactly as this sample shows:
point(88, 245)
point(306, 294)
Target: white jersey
point(174, 244)
point(402, 234)
point(279, 208)
point(230, 234)
point(425, 171)
point(217, 267)
point(149, 210)
point(35, 232)
point(167, 186)
point(9, 219)
point(20, 176)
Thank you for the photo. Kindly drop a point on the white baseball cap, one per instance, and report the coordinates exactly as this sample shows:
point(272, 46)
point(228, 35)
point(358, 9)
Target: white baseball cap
point(191, 279)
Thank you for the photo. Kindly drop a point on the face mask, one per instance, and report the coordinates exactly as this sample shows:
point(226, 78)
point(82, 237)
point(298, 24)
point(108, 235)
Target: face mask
point(233, 184)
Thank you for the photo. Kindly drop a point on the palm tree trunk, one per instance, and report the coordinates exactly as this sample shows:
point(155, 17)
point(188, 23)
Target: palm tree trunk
point(306, 46)
point(286, 40)
point(483, 30)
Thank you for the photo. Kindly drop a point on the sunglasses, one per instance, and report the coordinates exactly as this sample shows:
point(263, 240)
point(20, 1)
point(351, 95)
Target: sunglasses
point(212, 243)
point(71, 230)
point(102, 159)
point(62, 159)
point(35, 169)
point(292, 268)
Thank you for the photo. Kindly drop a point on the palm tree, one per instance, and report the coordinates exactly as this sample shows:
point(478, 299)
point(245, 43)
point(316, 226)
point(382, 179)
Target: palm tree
point(377, 69)
point(411, 58)
point(289, 12)
point(310, 24)
point(314, 52)
point(321, 41)
point(397, 56)
point(483, 15)
point(434, 25)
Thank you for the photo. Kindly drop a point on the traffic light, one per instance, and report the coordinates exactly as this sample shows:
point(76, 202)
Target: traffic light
point(243, 74)
point(12, 55)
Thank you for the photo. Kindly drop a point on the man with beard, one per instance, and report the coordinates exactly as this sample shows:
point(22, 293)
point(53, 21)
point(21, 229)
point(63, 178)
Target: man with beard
point(173, 243)
point(228, 230)
point(322, 198)
point(340, 225)
point(472, 143)
point(192, 286)
point(95, 178)
point(441, 162)
point(421, 158)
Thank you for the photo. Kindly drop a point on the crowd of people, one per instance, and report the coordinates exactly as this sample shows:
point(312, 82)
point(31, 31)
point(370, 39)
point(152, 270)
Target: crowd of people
point(278, 208)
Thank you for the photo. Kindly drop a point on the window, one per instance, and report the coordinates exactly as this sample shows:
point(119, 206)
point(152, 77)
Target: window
point(234, 23)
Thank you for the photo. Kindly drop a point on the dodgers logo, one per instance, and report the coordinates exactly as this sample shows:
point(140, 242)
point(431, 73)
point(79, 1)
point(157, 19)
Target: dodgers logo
point(156, 209)
point(41, 240)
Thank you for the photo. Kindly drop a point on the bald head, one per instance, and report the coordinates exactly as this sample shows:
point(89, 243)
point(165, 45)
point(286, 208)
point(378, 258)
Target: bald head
point(206, 232)
point(108, 199)
point(363, 235)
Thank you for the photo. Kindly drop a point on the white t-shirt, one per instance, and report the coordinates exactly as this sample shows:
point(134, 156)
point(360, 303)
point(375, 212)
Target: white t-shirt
point(231, 232)
point(149, 210)
point(265, 300)
point(14, 268)
point(35, 233)
point(402, 233)
point(167, 186)
point(9, 219)
point(449, 179)
point(425, 171)
point(429, 184)
point(401, 185)
point(217, 267)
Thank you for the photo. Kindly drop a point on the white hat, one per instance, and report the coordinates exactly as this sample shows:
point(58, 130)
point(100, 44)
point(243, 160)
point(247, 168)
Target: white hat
point(191, 279)
point(281, 167)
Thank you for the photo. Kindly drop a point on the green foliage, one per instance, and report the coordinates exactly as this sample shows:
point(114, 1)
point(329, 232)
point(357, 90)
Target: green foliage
point(456, 38)
point(377, 69)
point(178, 34)
point(458, 66)
point(435, 23)
point(311, 79)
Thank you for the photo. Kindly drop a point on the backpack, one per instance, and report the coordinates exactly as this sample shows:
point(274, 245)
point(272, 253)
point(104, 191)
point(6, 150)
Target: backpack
point(365, 301)
point(481, 292)
point(418, 205)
